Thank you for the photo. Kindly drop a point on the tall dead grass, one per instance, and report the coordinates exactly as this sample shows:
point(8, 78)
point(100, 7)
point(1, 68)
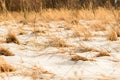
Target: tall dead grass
point(63, 14)
point(59, 9)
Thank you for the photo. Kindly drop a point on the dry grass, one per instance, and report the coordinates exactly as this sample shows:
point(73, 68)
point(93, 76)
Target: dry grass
point(68, 27)
point(84, 48)
point(2, 40)
point(58, 42)
point(42, 29)
point(21, 31)
point(112, 35)
point(97, 26)
point(12, 37)
point(64, 14)
point(105, 77)
point(6, 52)
point(103, 54)
point(67, 15)
point(81, 31)
point(5, 67)
point(116, 28)
point(77, 58)
point(38, 73)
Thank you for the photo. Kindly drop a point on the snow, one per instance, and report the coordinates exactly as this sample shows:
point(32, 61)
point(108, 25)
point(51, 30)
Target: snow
point(31, 52)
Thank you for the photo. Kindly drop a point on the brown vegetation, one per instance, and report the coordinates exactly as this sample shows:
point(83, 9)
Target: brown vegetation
point(11, 37)
point(112, 35)
point(103, 54)
point(5, 51)
point(79, 17)
point(5, 67)
point(81, 31)
point(77, 58)
point(57, 42)
point(36, 5)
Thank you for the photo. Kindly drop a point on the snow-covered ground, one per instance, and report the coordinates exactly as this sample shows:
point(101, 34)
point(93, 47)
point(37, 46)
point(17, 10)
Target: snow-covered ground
point(46, 49)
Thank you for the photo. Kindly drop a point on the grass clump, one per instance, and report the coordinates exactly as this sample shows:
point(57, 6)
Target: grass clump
point(77, 58)
point(6, 52)
point(37, 73)
point(58, 42)
point(81, 31)
point(11, 37)
point(112, 35)
point(5, 67)
point(103, 54)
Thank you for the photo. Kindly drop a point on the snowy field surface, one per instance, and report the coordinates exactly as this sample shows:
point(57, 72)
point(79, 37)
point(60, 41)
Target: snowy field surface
point(47, 51)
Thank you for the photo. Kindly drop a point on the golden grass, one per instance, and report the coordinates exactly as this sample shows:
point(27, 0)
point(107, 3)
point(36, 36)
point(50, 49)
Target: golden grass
point(112, 35)
point(97, 26)
point(68, 27)
point(40, 29)
point(21, 31)
point(2, 40)
point(12, 37)
point(116, 28)
point(64, 14)
point(5, 67)
point(5, 51)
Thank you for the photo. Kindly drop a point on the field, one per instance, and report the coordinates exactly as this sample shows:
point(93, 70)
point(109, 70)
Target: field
point(60, 44)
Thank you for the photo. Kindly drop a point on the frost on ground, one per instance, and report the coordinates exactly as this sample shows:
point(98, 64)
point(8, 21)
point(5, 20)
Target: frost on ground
point(58, 50)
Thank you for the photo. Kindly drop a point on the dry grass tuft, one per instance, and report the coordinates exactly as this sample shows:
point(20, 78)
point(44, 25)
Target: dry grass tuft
point(112, 35)
point(84, 48)
point(21, 31)
point(58, 42)
point(5, 67)
point(68, 27)
point(24, 22)
point(81, 31)
point(2, 40)
point(6, 52)
point(116, 28)
point(38, 70)
point(103, 54)
point(11, 37)
point(97, 26)
point(40, 29)
point(37, 73)
point(77, 58)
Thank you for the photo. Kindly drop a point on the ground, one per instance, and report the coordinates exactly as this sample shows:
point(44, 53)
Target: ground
point(60, 50)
